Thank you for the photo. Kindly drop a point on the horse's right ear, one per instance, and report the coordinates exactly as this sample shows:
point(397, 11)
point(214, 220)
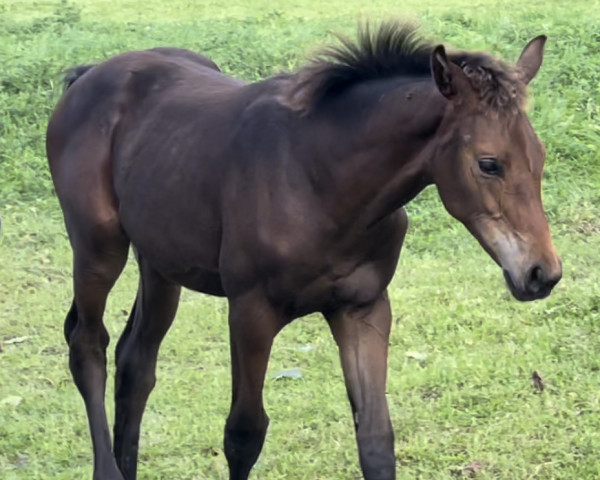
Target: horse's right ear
point(448, 77)
point(531, 58)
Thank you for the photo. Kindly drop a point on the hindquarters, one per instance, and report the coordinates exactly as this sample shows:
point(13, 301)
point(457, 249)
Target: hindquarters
point(80, 147)
point(99, 100)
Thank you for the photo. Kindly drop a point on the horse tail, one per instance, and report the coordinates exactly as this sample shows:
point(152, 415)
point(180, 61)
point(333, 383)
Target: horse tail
point(73, 74)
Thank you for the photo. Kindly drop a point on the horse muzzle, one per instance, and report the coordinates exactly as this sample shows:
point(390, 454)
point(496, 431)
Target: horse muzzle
point(537, 282)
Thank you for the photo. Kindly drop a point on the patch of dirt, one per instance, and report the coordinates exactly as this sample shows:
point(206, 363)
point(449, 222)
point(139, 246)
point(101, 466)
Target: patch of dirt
point(470, 471)
point(588, 228)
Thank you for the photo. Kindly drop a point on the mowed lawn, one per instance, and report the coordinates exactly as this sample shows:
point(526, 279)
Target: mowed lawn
point(462, 350)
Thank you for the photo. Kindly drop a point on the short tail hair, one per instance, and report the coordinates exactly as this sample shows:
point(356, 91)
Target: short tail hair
point(74, 73)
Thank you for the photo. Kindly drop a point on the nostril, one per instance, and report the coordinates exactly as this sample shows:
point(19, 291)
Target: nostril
point(536, 279)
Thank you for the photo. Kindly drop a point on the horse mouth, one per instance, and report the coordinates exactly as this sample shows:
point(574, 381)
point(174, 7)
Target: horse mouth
point(524, 295)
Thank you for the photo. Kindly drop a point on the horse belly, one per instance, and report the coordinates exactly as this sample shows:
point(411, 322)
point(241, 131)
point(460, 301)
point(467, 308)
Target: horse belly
point(175, 228)
point(200, 280)
point(185, 256)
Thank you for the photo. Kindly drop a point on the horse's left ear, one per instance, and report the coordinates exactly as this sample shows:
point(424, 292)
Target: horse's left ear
point(449, 78)
point(531, 58)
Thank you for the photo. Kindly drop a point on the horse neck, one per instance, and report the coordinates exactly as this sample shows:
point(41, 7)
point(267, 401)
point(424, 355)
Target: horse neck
point(375, 145)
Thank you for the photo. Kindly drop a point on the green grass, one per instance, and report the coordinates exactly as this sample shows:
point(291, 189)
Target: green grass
point(466, 397)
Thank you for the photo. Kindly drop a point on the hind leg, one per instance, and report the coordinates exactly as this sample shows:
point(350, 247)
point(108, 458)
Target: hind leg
point(99, 257)
point(150, 319)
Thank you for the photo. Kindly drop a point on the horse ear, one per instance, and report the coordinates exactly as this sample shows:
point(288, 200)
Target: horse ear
point(531, 58)
point(449, 78)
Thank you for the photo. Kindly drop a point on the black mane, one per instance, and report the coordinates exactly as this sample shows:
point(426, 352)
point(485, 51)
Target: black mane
point(398, 49)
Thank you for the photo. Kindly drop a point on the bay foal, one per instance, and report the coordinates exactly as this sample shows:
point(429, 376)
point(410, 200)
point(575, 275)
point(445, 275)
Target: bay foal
point(286, 197)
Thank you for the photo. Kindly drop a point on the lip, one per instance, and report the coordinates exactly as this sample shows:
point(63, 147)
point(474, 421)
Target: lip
point(522, 295)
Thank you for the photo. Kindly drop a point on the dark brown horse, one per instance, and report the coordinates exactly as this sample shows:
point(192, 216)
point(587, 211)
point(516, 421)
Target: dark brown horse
point(286, 197)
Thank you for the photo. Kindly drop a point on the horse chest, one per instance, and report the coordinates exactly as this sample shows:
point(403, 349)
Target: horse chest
point(307, 278)
point(300, 290)
point(358, 271)
point(305, 268)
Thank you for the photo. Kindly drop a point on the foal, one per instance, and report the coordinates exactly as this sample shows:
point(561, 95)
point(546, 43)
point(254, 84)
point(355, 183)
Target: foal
point(286, 197)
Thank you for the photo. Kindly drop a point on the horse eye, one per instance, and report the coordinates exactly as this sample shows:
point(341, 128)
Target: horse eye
point(490, 166)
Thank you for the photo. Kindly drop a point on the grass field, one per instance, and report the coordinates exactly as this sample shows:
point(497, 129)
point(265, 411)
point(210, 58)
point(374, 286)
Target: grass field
point(463, 351)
